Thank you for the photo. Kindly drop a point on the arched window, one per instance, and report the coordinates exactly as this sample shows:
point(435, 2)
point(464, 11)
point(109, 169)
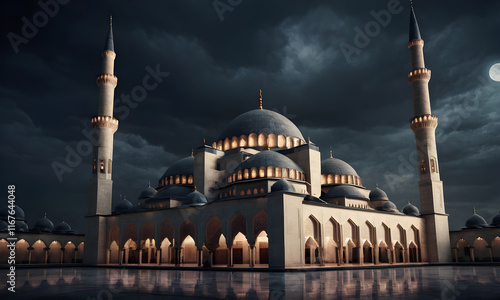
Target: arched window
point(94, 166)
point(253, 172)
point(190, 179)
point(423, 169)
point(101, 165)
point(240, 175)
point(433, 165)
point(246, 174)
point(255, 191)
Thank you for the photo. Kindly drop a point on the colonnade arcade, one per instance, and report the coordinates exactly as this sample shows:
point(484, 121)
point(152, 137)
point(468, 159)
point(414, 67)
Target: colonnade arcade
point(476, 250)
point(352, 243)
point(238, 242)
point(43, 251)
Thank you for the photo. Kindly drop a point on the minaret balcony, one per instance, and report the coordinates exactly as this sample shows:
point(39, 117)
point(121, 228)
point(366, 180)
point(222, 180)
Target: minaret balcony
point(107, 79)
point(105, 122)
point(419, 74)
point(424, 121)
point(415, 42)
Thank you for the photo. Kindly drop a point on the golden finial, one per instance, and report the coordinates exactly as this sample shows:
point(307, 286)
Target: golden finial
point(195, 188)
point(192, 152)
point(474, 209)
point(204, 141)
point(260, 99)
point(45, 215)
point(111, 20)
point(268, 148)
point(376, 185)
point(331, 153)
point(149, 183)
point(409, 202)
point(411, 4)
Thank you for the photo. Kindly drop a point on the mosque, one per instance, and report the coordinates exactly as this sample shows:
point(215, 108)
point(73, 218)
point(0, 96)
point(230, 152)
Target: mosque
point(260, 196)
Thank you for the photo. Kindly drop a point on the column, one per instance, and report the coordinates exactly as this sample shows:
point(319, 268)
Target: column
point(140, 256)
point(108, 254)
point(46, 251)
point(200, 256)
point(120, 257)
point(491, 254)
point(455, 252)
point(29, 254)
point(62, 254)
point(158, 256)
point(230, 256)
point(472, 254)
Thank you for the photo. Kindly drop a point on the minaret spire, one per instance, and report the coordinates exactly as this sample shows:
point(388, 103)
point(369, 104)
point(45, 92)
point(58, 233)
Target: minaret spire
point(101, 184)
point(260, 99)
point(423, 125)
point(331, 153)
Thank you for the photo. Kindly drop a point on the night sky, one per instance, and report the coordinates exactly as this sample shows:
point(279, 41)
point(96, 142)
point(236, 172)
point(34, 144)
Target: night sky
point(359, 103)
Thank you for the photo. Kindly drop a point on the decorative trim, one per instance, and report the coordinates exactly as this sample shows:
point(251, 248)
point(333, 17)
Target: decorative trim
point(415, 42)
point(419, 74)
point(108, 53)
point(424, 121)
point(105, 122)
point(107, 79)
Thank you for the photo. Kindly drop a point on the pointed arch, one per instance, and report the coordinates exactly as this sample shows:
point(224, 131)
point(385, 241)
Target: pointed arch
point(213, 230)
point(481, 251)
point(131, 232)
point(186, 228)
point(114, 235)
point(259, 223)
point(238, 225)
point(495, 249)
point(463, 251)
point(167, 231)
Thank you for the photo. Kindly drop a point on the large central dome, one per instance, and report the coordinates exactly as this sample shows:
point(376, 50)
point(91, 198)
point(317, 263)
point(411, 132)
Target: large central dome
point(259, 122)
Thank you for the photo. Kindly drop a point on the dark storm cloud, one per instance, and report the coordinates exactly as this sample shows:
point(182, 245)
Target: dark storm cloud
point(290, 50)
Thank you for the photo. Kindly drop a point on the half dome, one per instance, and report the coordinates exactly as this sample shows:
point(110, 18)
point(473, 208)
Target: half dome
point(378, 194)
point(268, 158)
point(195, 199)
point(347, 191)
point(62, 228)
point(282, 185)
point(411, 210)
point(123, 205)
point(476, 222)
point(44, 225)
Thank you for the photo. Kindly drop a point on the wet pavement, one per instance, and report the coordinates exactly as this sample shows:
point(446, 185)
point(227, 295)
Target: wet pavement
point(425, 282)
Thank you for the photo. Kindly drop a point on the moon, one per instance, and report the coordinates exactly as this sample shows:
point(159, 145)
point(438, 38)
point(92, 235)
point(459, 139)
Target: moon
point(495, 72)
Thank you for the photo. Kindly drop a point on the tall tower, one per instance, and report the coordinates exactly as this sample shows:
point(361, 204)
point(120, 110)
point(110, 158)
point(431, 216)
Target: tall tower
point(101, 185)
point(424, 125)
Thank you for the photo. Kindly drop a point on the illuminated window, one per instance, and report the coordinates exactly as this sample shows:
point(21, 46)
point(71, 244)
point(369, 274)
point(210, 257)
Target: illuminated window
point(94, 166)
point(423, 169)
point(101, 165)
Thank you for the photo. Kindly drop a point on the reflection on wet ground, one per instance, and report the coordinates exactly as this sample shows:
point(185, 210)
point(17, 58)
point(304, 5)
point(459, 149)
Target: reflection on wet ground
point(429, 282)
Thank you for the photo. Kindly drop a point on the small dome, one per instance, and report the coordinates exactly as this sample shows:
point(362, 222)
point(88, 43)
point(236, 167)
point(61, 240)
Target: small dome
point(476, 221)
point(62, 228)
point(378, 194)
point(44, 225)
point(19, 213)
point(260, 121)
point(496, 221)
point(388, 206)
point(347, 191)
point(336, 166)
point(4, 227)
point(183, 166)
point(175, 192)
point(282, 185)
point(268, 159)
point(123, 205)
point(310, 198)
point(149, 192)
point(195, 199)
point(21, 226)
point(411, 210)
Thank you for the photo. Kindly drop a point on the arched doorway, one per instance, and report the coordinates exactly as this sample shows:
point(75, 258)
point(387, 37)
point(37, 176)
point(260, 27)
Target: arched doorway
point(352, 256)
point(69, 252)
point(383, 252)
point(312, 234)
point(166, 251)
point(259, 225)
point(481, 251)
point(114, 253)
point(149, 251)
point(398, 252)
point(262, 248)
point(54, 255)
point(311, 254)
point(131, 254)
point(413, 253)
point(240, 249)
point(38, 252)
point(22, 255)
point(188, 251)
point(221, 252)
point(213, 233)
point(495, 249)
point(463, 251)
point(367, 252)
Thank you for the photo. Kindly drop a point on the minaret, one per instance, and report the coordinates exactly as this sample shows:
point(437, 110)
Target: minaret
point(101, 185)
point(424, 125)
